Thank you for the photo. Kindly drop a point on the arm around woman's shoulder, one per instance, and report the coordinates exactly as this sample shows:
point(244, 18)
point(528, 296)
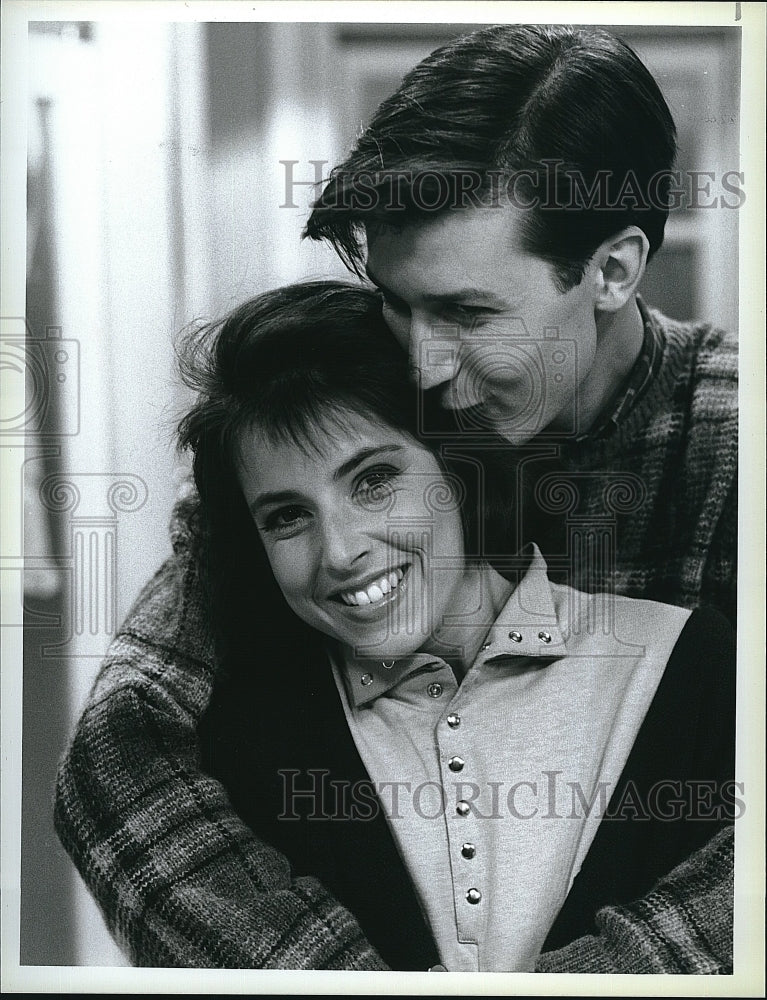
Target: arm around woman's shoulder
point(181, 881)
point(683, 926)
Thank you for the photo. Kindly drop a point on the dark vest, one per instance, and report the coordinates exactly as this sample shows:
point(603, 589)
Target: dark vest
point(268, 739)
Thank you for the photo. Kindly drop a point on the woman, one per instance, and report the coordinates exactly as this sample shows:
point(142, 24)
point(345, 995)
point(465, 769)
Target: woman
point(434, 739)
point(420, 705)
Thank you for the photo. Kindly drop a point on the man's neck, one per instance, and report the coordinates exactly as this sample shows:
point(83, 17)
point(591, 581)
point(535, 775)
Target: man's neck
point(619, 344)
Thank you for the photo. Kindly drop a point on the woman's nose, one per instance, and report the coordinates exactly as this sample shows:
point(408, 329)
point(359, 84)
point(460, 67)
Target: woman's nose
point(344, 541)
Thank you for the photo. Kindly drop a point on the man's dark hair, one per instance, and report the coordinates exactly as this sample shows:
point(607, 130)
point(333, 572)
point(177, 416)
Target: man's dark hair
point(566, 121)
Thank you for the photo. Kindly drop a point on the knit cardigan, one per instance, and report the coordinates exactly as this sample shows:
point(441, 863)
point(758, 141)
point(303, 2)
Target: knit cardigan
point(183, 882)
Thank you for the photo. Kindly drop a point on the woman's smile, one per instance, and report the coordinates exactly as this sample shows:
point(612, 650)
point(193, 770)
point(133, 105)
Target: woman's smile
point(382, 590)
point(351, 532)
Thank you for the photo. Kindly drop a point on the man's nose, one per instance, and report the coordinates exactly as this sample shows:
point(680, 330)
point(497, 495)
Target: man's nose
point(344, 541)
point(434, 351)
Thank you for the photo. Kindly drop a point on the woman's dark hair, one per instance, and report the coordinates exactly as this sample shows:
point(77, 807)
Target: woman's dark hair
point(568, 119)
point(290, 362)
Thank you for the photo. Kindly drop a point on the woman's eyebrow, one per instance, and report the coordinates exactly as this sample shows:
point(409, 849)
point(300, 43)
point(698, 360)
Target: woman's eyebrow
point(271, 497)
point(362, 456)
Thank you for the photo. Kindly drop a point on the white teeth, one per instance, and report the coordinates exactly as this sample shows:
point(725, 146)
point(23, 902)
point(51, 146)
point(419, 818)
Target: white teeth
point(375, 592)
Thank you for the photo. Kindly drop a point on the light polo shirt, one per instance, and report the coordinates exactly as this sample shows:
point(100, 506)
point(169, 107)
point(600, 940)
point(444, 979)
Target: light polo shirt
point(494, 788)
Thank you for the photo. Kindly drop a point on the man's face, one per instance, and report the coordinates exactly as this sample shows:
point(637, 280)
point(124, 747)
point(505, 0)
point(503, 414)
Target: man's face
point(486, 322)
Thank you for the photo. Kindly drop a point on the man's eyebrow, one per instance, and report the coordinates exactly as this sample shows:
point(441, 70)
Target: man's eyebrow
point(270, 498)
point(475, 295)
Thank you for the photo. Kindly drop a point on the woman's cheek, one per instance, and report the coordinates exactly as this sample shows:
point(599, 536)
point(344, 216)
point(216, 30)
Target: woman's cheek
point(290, 565)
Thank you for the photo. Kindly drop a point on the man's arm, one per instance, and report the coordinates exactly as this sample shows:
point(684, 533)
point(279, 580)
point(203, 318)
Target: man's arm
point(684, 925)
point(181, 881)
point(720, 574)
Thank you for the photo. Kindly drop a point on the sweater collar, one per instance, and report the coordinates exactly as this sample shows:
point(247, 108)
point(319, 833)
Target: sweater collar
point(637, 382)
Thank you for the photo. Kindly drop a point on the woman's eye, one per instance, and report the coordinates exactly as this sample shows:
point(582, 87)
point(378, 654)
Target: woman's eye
point(284, 520)
point(376, 486)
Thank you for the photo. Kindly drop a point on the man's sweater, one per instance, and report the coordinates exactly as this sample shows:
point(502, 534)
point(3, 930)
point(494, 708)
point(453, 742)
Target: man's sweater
point(182, 881)
point(649, 509)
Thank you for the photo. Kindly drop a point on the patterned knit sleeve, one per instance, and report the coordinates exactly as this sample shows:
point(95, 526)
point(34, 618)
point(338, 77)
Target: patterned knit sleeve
point(180, 880)
point(684, 925)
point(712, 462)
point(720, 575)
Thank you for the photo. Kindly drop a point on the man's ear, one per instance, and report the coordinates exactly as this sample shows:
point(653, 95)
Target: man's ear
point(621, 262)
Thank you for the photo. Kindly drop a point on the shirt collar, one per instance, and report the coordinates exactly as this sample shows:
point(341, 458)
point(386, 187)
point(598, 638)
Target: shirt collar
point(638, 380)
point(527, 625)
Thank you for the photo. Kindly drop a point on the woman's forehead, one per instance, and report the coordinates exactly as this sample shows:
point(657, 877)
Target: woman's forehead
point(332, 441)
point(324, 433)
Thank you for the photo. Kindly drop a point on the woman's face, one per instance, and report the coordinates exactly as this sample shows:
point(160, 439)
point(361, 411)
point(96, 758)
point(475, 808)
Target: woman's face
point(364, 536)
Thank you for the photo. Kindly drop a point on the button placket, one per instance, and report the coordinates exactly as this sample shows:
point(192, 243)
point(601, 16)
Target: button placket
point(468, 872)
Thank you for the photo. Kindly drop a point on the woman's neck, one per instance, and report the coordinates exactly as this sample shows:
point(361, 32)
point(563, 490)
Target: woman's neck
point(475, 607)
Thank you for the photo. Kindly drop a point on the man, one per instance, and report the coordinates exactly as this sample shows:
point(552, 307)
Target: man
point(513, 285)
point(511, 193)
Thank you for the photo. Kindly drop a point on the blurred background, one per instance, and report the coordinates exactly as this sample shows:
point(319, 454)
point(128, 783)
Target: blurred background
point(160, 158)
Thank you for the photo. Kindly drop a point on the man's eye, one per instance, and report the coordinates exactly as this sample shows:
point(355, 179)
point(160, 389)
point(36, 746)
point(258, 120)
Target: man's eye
point(284, 520)
point(461, 314)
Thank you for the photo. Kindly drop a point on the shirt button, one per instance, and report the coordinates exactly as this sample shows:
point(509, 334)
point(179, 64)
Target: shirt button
point(544, 636)
point(366, 679)
point(468, 850)
point(453, 721)
point(463, 808)
point(474, 896)
point(456, 763)
point(515, 636)
point(434, 690)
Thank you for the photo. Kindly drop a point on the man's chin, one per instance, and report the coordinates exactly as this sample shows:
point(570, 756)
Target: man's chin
point(486, 419)
point(479, 422)
point(516, 437)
